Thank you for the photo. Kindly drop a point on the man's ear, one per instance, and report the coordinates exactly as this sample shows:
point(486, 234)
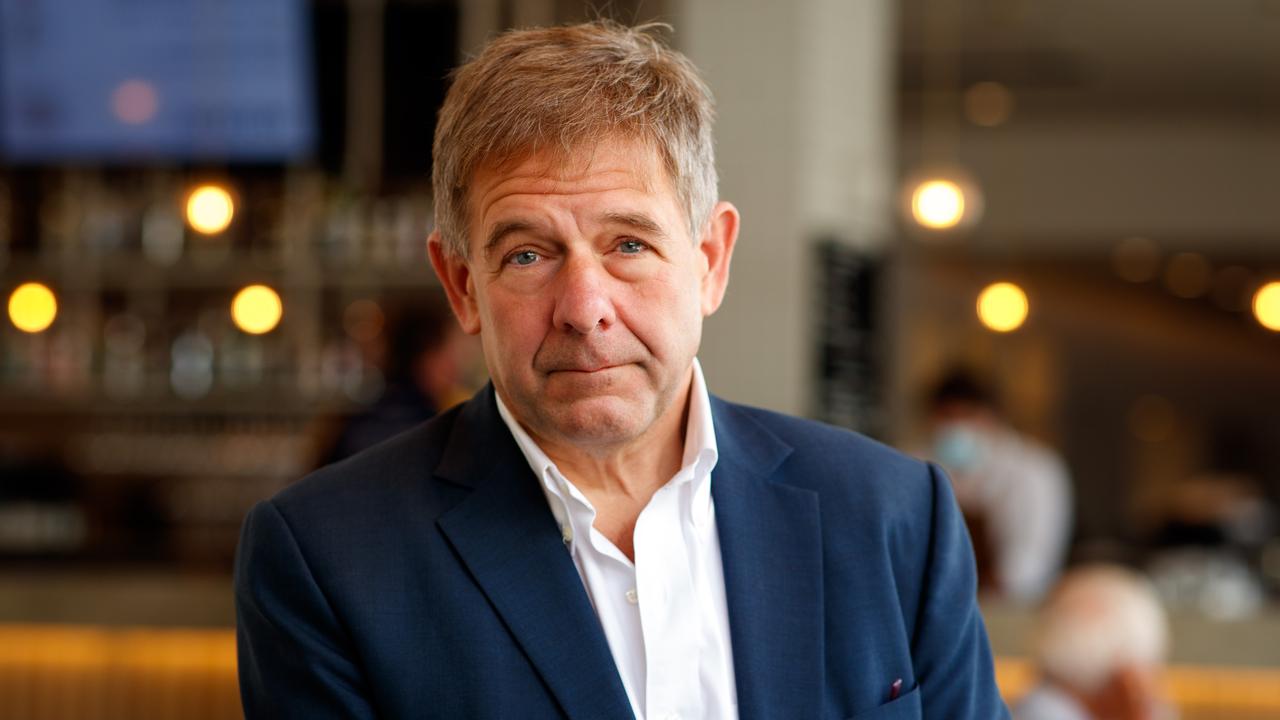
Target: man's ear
point(716, 245)
point(459, 285)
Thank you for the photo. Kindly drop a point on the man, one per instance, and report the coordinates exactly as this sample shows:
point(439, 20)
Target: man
point(594, 536)
point(1100, 642)
point(1015, 492)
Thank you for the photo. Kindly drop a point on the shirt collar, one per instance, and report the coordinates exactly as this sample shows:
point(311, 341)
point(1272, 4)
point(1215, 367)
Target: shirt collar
point(700, 457)
point(700, 450)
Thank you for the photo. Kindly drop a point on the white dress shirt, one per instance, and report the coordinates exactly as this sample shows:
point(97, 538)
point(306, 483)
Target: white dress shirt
point(664, 616)
point(1024, 491)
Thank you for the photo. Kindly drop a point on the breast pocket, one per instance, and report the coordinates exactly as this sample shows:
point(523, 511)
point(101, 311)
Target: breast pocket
point(906, 707)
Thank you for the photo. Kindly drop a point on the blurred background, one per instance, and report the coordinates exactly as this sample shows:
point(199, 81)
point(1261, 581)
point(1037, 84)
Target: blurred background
point(1038, 242)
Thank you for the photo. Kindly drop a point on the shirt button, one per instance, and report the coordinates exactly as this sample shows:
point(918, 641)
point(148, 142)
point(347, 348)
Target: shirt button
point(632, 597)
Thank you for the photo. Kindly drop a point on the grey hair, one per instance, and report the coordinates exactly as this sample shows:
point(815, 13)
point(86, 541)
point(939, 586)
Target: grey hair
point(562, 89)
point(1097, 620)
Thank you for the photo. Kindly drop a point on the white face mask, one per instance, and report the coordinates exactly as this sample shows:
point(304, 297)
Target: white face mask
point(959, 446)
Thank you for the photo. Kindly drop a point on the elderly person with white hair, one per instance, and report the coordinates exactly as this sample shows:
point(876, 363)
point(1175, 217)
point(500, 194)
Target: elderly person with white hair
point(1099, 643)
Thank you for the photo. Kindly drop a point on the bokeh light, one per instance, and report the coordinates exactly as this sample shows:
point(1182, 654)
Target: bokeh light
point(32, 307)
point(135, 102)
point(257, 309)
point(1136, 259)
point(210, 209)
point(1188, 275)
point(988, 104)
point(1003, 307)
point(1266, 306)
point(363, 320)
point(938, 204)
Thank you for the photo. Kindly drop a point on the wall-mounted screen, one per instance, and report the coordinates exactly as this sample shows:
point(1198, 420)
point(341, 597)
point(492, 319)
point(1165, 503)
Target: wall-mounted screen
point(167, 79)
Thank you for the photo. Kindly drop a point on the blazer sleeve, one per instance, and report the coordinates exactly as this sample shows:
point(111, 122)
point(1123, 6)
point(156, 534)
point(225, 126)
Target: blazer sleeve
point(295, 660)
point(953, 660)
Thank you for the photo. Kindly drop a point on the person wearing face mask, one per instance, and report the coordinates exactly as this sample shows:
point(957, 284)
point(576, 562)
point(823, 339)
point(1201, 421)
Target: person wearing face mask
point(1014, 491)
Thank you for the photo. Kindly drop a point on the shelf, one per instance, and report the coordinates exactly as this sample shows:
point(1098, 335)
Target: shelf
point(132, 271)
point(255, 404)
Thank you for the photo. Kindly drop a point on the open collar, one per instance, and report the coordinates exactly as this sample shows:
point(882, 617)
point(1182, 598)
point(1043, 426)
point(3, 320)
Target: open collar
point(771, 547)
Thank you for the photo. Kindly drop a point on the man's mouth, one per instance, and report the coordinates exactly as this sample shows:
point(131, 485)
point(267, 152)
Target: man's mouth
point(587, 369)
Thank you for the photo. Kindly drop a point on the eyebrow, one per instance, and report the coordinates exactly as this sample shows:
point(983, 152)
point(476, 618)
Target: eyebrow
point(639, 221)
point(502, 230)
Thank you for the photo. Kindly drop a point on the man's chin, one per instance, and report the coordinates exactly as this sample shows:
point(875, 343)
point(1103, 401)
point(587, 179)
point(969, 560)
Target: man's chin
point(601, 420)
point(598, 419)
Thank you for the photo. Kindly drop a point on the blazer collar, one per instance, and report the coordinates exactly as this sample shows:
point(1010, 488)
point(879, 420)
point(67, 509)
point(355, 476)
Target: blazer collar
point(771, 548)
point(505, 534)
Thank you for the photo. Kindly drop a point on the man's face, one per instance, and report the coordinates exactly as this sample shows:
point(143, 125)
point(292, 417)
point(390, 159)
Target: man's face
point(587, 290)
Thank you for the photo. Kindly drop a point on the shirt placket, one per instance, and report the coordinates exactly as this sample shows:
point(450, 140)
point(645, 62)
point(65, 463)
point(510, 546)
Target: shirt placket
point(607, 571)
point(668, 610)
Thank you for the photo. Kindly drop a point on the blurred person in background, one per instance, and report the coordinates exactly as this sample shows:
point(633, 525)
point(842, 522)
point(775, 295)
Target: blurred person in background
point(425, 367)
point(1099, 644)
point(1015, 492)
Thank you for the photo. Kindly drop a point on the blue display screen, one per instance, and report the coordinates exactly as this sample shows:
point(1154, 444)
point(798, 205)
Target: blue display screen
point(167, 79)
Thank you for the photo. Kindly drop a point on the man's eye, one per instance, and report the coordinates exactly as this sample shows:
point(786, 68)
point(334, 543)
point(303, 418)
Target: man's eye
point(631, 247)
point(528, 257)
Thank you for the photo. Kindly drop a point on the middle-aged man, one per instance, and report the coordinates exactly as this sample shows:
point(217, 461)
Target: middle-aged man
point(594, 535)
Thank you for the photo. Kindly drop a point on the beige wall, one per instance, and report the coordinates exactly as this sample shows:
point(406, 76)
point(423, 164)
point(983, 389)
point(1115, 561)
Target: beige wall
point(805, 148)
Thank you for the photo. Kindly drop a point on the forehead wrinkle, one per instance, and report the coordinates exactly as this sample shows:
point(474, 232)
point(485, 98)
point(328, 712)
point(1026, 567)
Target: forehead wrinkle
point(641, 172)
point(547, 171)
point(539, 186)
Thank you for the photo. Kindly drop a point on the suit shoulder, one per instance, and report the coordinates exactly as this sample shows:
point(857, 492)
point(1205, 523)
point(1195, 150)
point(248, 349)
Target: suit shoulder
point(856, 476)
point(384, 473)
point(817, 442)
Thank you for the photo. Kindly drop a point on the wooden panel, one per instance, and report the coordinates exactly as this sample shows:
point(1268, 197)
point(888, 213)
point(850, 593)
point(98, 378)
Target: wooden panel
point(1200, 692)
point(88, 673)
point(67, 672)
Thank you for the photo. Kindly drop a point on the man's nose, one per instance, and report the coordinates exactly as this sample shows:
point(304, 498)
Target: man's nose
point(583, 303)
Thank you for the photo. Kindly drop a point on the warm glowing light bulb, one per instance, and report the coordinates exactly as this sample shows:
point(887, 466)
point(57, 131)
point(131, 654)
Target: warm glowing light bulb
point(32, 307)
point(210, 209)
point(938, 204)
point(1003, 307)
point(1266, 306)
point(988, 103)
point(257, 309)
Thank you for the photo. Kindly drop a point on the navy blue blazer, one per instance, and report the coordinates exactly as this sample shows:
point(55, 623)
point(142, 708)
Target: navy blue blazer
point(426, 578)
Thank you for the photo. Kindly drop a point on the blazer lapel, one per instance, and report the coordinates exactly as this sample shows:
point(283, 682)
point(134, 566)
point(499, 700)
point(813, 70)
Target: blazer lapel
point(507, 537)
point(771, 548)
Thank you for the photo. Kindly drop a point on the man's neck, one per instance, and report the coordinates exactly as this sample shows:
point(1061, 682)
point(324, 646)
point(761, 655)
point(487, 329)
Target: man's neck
point(630, 472)
point(620, 481)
